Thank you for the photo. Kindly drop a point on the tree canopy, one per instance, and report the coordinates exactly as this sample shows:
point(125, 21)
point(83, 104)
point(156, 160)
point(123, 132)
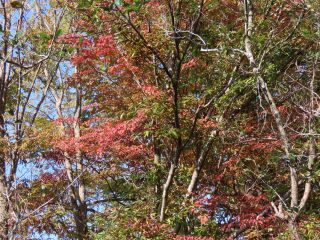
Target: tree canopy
point(159, 119)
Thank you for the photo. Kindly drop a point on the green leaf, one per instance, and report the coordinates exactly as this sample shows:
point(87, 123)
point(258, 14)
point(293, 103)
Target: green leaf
point(95, 16)
point(132, 8)
point(44, 36)
point(118, 2)
point(59, 32)
point(11, 111)
point(16, 4)
point(84, 3)
point(108, 8)
point(174, 132)
point(147, 133)
point(292, 157)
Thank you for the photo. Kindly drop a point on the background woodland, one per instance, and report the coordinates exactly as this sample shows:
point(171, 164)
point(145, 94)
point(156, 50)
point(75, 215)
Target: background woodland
point(159, 119)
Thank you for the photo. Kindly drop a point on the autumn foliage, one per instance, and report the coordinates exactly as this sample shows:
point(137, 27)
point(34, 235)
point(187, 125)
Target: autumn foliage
point(160, 119)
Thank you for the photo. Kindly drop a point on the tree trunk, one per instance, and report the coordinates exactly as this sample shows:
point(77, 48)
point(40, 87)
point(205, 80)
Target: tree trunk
point(293, 228)
point(81, 221)
point(3, 186)
point(157, 167)
point(75, 176)
point(3, 204)
point(165, 191)
point(200, 161)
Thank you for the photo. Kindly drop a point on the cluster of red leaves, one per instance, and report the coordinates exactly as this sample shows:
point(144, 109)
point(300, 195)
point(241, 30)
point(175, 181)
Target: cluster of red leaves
point(151, 228)
point(154, 3)
point(123, 67)
point(67, 120)
point(246, 213)
point(41, 190)
point(100, 49)
point(54, 154)
point(73, 39)
point(92, 54)
point(249, 212)
point(192, 63)
point(227, 167)
point(90, 106)
point(193, 238)
point(207, 123)
point(115, 137)
point(151, 90)
point(51, 177)
point(266, 146)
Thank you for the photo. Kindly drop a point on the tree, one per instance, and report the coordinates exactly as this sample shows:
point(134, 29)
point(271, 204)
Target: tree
point(166, 119)
point(27, 70)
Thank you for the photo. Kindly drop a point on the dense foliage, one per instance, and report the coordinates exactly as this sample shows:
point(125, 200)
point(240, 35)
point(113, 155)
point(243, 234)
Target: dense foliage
point(159, 119)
